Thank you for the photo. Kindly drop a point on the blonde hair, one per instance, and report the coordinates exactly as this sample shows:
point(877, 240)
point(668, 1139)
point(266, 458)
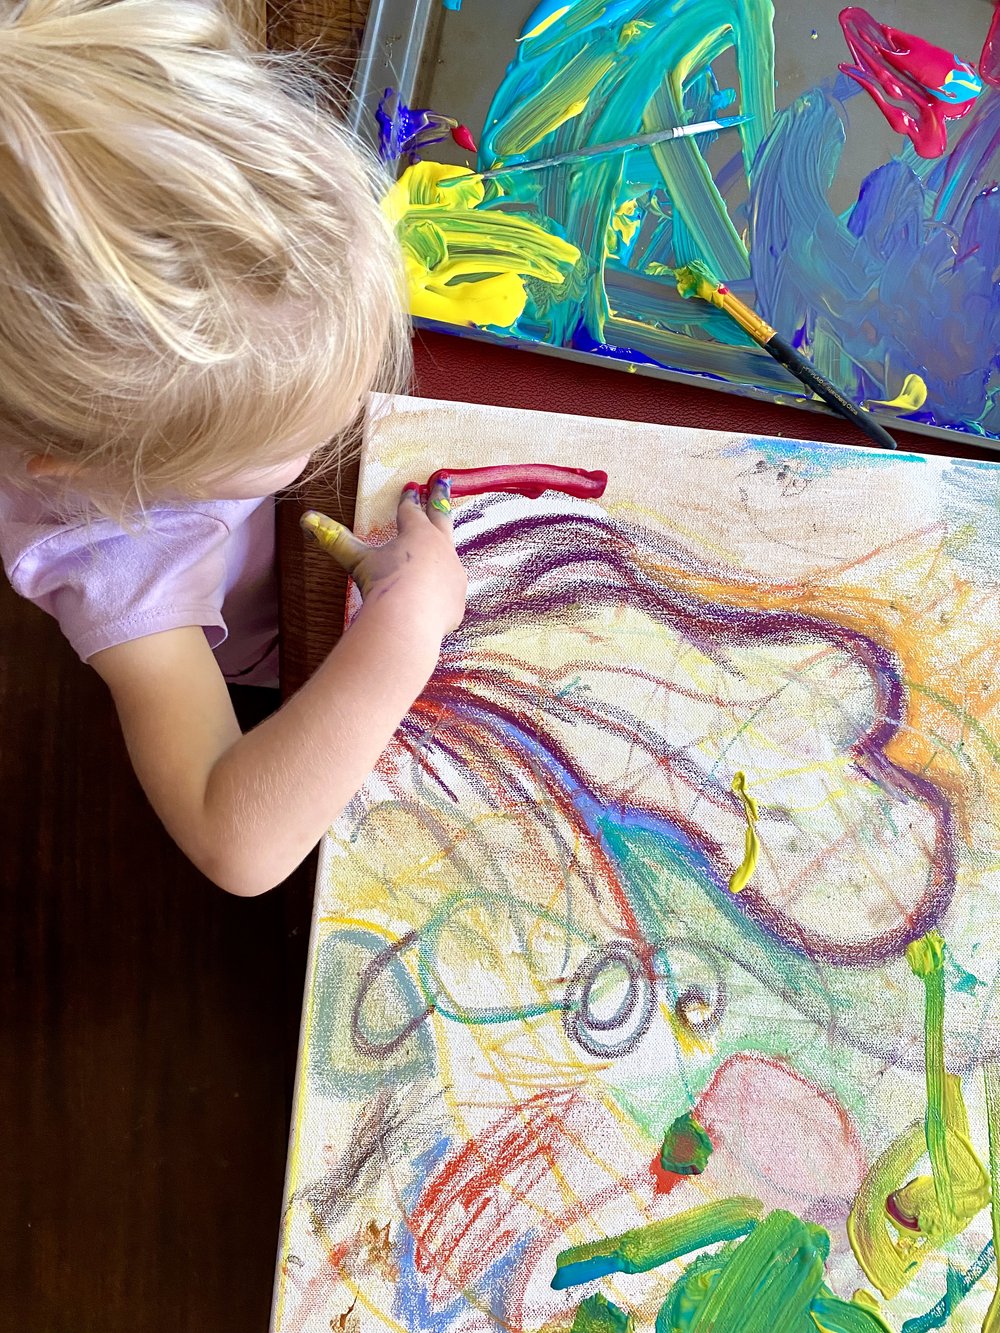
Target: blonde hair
point(193, 260)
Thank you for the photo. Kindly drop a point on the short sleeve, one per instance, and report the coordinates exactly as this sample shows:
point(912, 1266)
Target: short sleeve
point(106, 586)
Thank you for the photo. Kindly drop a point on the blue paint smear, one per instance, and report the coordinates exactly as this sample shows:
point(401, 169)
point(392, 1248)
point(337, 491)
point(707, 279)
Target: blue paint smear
point(959, 1286)
point(452, 4)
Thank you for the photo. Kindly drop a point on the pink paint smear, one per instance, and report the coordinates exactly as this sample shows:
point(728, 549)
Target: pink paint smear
point(932, 84)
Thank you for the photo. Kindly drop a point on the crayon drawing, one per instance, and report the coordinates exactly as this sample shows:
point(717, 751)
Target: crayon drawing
point(654, 973)
point(857, 210)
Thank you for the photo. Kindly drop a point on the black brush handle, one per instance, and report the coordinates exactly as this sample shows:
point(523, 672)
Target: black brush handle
point(810, 376)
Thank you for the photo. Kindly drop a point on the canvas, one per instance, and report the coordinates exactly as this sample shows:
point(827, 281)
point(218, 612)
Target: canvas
point(558, 1070)
point(856, 209)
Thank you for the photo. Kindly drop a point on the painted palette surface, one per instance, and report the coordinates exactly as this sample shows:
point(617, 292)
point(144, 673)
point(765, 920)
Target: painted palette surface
point(554, 1073)
point(857, 211)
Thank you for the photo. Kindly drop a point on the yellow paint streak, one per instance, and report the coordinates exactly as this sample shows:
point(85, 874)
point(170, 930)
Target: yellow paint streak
point(545, 24)
point(910, 398)
point(740, 877)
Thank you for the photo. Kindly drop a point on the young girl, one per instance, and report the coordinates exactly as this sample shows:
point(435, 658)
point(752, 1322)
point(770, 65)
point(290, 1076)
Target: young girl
point(197, 289)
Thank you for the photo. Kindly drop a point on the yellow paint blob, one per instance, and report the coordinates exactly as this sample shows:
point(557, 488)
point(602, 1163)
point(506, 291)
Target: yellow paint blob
point(741, 877)
point(466, 264)
point(910, 398)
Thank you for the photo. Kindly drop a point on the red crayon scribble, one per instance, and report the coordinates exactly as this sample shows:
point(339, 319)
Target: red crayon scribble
point(463, 137)
point(467, 1216)
point(989, 61)
point(528, 479)
point(932, 84)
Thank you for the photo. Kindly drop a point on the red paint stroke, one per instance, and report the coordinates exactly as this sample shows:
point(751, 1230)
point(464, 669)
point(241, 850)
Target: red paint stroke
point(933, 84)
point(899, 1215)
point(528, 479)
point(466, 1217)
point(989, 61)
point(664, 1181)
point(463, 137)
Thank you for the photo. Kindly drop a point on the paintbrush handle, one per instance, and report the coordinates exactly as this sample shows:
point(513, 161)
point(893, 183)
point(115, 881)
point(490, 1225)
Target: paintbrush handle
point(616, 146)
point(784, 353)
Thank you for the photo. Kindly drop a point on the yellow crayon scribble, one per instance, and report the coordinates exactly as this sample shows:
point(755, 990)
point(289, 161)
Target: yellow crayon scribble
point(740, 877)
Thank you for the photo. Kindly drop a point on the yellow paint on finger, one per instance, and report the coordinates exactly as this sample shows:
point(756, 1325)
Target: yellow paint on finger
point(326, 532)
point(910, 398)
point(740, 877)
point(441, 504)
point(334, 538)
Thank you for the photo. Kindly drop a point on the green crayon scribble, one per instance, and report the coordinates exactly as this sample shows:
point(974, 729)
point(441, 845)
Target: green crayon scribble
point(686, 1146)
point(599, 1315)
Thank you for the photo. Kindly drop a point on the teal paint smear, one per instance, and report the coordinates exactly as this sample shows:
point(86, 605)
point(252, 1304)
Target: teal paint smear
point(618, 106)
point(830, 1314)
point(939, 1315)
point(764, 1284)
point(452, 4)
point(599, 1315)
point(648, 1247)
point(820, 459)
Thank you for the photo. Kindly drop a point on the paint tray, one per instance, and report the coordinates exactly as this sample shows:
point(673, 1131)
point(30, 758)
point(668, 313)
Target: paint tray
point(878, 262)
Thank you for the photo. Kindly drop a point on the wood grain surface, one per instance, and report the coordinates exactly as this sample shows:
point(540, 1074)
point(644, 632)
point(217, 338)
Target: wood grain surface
point(148, 1022)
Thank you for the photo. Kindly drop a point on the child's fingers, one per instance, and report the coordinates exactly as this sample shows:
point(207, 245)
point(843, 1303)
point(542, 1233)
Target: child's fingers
point(409, 508)
point(338, 541)
point(439, 504)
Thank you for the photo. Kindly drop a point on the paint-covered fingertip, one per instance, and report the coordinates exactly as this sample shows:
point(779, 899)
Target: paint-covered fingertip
point(313, 522)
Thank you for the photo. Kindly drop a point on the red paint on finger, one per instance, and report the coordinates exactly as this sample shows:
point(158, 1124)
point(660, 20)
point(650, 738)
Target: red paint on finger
point(528, 479)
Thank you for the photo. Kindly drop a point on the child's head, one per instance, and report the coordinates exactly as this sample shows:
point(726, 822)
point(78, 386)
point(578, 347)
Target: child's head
point(196, 279)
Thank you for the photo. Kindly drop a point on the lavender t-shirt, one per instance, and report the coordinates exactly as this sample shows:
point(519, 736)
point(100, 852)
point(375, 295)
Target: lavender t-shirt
point(207, 564)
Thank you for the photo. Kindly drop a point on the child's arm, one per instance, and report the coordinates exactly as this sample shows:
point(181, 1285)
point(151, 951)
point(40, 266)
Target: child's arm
point(247, 809)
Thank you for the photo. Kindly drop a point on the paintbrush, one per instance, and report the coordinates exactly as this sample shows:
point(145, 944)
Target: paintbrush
point(694, 279)
point(606, 149)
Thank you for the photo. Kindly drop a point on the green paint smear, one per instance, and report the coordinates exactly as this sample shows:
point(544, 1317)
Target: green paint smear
point(991, 1079)
point(686, 1146)
point(943, 1203)
point(647, 1247)
point(772, 1282)
point(599, 1315)
point(926, 959)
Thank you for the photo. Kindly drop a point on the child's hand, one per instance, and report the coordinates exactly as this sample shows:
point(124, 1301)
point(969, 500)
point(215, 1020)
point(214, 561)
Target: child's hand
point(419, 566)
